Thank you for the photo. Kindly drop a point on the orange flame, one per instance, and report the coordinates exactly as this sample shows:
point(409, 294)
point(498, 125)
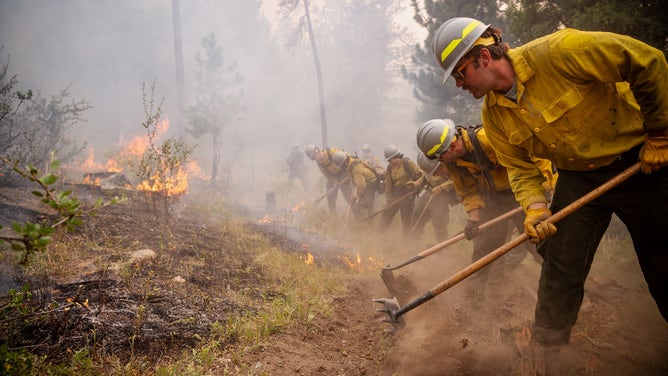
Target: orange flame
point(173, 184)
point(88, 180)
point(357, 264)
point(138, 144)
point(112, 166)
point(298, 206)
point(265, 219)
point(309, 259)
point(89, 163)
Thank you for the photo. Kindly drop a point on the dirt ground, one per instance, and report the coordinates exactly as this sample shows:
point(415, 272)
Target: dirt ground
point(184, 289)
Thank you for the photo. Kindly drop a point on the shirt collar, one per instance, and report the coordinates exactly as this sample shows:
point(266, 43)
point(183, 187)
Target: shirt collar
point(523, 72)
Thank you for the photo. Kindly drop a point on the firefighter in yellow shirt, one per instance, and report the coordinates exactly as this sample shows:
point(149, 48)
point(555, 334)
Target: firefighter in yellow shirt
point(593, 103)
point(364, 180)
point(337, 178)
point(400, 189)
point(483, 187)
point(434, 204)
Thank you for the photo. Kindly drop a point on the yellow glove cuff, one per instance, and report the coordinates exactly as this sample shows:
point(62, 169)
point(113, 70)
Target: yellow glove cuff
point(654, 154)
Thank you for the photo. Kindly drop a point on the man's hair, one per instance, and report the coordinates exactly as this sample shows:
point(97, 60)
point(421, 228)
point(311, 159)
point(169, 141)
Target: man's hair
point(499, 50)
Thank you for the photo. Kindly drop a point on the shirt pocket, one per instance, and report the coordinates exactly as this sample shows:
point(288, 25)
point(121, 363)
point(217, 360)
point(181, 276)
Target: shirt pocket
point(571, 98)
point(518, 134)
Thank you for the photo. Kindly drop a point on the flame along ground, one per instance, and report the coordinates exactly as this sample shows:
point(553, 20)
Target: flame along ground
point(177, 184)
point(357, 262)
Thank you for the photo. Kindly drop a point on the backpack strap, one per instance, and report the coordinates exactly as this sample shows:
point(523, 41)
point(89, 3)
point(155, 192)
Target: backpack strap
point(479, 156)
point(407, 167)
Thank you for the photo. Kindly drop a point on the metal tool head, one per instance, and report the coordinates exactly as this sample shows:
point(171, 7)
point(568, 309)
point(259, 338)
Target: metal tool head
point(387, 276)
point(401, 287)
point(390, 306)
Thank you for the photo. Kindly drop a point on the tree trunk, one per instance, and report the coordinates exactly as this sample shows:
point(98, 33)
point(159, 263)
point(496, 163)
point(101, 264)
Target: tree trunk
point(316, 59)
point(216, 157)
point(178, 55)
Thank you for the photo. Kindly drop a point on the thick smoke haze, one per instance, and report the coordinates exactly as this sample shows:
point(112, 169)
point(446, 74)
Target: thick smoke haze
point(104, 51)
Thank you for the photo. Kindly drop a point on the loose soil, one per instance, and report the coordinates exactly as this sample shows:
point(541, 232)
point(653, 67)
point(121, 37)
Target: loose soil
point(153, 309)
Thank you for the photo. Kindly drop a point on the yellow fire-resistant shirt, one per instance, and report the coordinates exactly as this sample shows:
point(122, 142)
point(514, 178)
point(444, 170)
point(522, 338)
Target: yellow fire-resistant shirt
point(362, 175)
point(583, 98)
point(333, 174)
point(472, 177)
point(398, 177)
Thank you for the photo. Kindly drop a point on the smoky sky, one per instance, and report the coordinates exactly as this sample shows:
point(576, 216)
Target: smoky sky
point(103, 51)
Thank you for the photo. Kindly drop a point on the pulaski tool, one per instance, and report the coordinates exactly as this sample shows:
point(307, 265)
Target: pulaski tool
point(394, 311)
point(388, 206)
point(388, 277)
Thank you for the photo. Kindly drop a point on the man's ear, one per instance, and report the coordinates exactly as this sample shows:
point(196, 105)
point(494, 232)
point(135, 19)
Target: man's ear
point(485, 57)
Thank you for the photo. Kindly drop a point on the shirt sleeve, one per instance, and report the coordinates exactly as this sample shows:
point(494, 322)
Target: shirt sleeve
point(615, 58)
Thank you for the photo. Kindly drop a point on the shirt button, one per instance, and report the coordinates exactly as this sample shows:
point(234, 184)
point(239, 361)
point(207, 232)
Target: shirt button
point(523, 111)
point(591, 165)
point(536, 129)
point(571, 159)
point(553, 146)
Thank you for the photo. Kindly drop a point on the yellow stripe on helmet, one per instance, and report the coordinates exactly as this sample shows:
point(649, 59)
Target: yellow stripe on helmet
point(455, 42)
point(435, 148)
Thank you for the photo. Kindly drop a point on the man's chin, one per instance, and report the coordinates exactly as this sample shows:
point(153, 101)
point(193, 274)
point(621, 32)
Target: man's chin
point(476, 95)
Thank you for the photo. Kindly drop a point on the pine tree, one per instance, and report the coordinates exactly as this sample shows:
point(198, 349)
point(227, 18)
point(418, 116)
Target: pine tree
point(218, 99)
point(444, 101)
point(646, 20)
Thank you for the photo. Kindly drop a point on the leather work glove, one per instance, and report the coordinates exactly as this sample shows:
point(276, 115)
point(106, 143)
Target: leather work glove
point(412, 186)
point(471, 229)
point(535, 226)
point(442, 188)
point(654, 154)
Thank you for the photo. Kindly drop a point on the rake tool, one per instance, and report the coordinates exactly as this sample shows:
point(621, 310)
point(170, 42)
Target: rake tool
point(422, 213)
point(336, 186)
point(388, 206)
point(394, 311)
point(387, 275)
point(350, 208)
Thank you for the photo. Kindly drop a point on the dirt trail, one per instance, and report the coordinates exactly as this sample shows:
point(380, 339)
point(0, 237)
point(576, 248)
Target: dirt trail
point(619, 330)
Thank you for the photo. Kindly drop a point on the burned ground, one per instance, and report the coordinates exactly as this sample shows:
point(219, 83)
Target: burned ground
point(157, 307)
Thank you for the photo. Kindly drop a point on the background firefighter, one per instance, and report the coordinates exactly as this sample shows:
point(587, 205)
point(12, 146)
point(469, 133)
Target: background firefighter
point(370, 158)
point(296, 167)
point(434, 204)
point(337, 178)
point(400, 177)
point(364, 180)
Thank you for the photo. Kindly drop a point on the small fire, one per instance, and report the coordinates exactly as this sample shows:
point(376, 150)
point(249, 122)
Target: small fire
point(91, 181)
point(173, 184)
point(376, 263)
point(89, 164)
point(170, 181)
point(112, 166)
point(265, 219)
point(298, 206)
point(309, 259)
point(139, 143)
point(355, 266)
point(357, 263)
